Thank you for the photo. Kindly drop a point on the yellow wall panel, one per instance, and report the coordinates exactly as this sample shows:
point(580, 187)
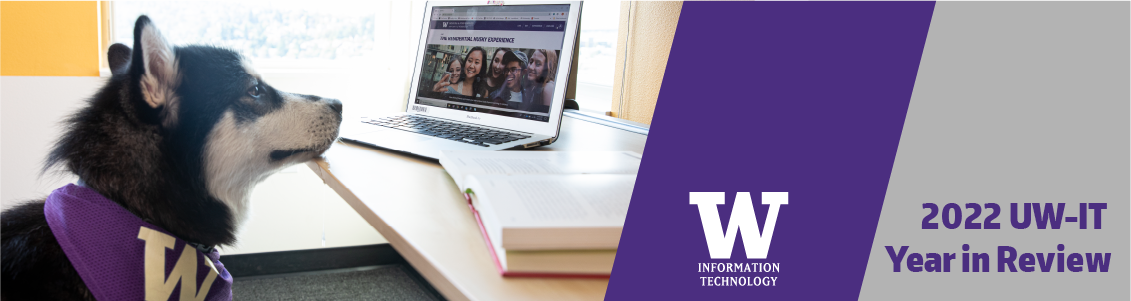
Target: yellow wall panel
point(55, 38)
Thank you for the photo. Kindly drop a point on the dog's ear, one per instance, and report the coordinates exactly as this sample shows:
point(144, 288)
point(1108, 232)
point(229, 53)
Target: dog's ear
point(118, 56)
point(154, 65)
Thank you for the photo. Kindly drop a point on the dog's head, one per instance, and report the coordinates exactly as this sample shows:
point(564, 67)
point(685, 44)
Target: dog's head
point(183, 133)
point(212, 98)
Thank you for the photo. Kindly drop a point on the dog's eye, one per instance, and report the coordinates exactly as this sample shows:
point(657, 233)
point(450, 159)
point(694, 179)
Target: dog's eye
point(254, 91)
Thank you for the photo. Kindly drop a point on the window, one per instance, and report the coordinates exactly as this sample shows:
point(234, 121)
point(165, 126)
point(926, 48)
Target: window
point(596, 58)
point(273, 34)
point(343, 50)
point(292, 41)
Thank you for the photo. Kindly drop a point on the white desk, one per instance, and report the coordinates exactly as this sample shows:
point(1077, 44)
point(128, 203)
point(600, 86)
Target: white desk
point(418, 208)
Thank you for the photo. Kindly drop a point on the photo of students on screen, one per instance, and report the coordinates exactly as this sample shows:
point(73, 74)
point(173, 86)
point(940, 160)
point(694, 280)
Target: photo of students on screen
point(514, 67)
point(496, 77)
point(466, 54)
point(454, 76)
point(463, 76)
point(540, 78)
point(495, 71)
point(527, 79)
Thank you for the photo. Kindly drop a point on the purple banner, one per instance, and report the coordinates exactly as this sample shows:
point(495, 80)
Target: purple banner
point(807, 98)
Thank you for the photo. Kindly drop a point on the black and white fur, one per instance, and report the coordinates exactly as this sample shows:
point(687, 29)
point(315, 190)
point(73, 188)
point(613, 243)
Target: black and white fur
point(178, 136)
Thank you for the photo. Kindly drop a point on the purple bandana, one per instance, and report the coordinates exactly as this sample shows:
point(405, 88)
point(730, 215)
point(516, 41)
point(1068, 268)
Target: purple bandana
point(121, 257)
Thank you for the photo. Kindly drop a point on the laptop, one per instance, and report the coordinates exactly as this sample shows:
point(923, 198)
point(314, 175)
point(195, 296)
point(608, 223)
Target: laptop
point(487, 77)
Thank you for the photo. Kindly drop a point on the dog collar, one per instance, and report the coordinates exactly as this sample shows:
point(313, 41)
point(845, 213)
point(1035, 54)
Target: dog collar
point(200, 247)
point(121, 257)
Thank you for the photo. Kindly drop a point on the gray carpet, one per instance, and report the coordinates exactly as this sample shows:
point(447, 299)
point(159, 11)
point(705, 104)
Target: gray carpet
point(386, 282)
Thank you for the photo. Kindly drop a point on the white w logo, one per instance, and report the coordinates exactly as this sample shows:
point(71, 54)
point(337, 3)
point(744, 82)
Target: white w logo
point(741, 217)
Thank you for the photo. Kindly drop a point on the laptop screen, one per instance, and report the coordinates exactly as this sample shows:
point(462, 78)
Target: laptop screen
point(497, 60)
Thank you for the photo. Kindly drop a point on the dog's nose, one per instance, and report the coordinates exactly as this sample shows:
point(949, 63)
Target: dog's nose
point(335, 104)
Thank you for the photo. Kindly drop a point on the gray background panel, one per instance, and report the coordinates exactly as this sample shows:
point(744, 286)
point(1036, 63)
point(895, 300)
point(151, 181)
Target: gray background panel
point(1014, 102)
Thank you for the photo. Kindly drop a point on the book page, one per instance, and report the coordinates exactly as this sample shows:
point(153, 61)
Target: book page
point(587, 200)
point(541, 162)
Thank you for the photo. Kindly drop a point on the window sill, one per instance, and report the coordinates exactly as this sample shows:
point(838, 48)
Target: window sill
point(613, 122)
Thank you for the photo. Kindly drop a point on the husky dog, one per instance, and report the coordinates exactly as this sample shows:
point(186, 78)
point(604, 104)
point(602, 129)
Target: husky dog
point(178, 137)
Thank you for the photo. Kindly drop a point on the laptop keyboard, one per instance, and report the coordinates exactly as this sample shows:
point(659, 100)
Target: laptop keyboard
point(465, 133)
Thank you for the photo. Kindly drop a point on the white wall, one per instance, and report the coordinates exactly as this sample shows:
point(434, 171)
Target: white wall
point(31, 109)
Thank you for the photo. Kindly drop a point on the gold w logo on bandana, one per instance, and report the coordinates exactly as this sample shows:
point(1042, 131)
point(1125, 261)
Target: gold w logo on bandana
point(157, 287)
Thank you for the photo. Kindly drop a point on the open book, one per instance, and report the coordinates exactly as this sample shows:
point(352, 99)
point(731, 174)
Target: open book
point(544, 212)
